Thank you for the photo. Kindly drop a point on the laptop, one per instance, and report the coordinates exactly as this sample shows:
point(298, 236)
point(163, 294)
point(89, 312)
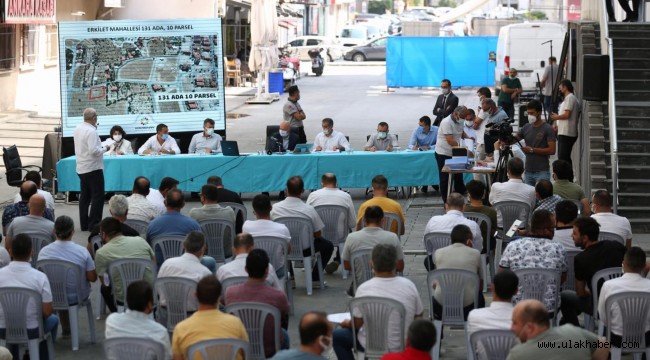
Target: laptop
point(303, 148)
point(229, 148)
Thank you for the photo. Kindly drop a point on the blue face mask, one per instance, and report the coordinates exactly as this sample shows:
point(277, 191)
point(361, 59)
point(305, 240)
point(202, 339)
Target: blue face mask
point(164, 136)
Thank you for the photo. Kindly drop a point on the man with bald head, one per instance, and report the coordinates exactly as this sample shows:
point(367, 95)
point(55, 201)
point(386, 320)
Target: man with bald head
point(33, 224)
point(22, 208)
point(89, 151)
point(284, 139)
point(531, 325)
point(315, 338)
point(139, 207)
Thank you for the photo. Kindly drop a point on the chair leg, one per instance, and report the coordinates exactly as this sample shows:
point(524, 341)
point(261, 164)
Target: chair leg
point(497, 251)
point(436, 349)
point(470, 353)
point(50, 348)
point(33, 347)
point(485, 271)
point(91, 323)
point(319, 263)
point(73, 315)
point(615, 353)
point(308, 281)
point(101, 306)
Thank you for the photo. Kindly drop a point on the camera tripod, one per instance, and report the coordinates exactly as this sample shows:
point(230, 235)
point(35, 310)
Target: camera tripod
point(501, 170)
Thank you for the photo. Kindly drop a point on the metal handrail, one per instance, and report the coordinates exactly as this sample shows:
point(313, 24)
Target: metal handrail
point(606, 43)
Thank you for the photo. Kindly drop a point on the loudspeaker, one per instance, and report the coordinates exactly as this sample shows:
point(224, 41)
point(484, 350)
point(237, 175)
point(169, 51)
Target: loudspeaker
point(595, 79)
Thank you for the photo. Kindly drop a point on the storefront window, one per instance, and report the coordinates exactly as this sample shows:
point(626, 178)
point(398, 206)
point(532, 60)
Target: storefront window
point(7, 47)
point(51, 43)
point(29, 48)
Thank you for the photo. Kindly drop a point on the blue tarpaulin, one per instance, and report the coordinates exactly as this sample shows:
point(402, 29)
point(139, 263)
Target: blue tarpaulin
point(425, 61)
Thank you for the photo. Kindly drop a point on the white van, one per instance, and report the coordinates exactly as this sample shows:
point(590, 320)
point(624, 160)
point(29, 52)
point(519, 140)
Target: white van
point(520, 46)
point(353, 35)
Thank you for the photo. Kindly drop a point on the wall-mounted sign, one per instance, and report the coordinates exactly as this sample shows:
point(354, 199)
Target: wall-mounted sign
point(30, 12)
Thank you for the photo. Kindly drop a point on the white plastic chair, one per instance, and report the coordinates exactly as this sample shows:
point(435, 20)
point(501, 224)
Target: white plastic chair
point(361, 269)
point(634, 307)
point(302, 238)
point(510, 211)
point(254, 316)
point(389, 220)
point(179, 298)
point(603, 235)
point(96, 243)
point(277, 249)
point(601, 275)
point(238, 208)
point(130, 348)
point(15, 303)
point(138, 225)
point(492, 344)
point(534, 282)
point(452, 285)
point(337, 226)
point(38, 242)
point(376, 313)
point(170, 246)
point(218, 233)
point(58, 273)
point(570, 283)
point(434, 241)
point(479, 219)
point(222, 349)
point(128, 270)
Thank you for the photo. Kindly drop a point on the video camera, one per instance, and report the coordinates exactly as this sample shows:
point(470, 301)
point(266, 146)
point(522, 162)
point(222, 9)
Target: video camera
point(502, 130)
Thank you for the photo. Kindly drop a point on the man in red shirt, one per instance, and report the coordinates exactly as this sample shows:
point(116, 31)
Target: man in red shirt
point(420, 341)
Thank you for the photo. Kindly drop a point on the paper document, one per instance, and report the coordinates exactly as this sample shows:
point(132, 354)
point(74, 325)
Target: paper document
point(469, 144)
point(338, 318)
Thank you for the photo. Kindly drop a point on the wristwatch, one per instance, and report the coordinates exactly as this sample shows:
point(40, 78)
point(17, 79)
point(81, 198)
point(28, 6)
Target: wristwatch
point(532, 150)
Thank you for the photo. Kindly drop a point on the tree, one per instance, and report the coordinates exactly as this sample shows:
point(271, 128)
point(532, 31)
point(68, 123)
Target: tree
point(447, 3)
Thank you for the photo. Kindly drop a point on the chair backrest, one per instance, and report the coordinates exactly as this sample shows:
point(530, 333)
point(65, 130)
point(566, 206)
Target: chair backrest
point(254, 316)
point(38, 242)
point(95, 244)
point(337, 222)
point(177, 292)
point(494, 344)
point(570, 283)
point(170, 246)
point(58, 273)
point(452, 286)
point(376, 314)
point(603, 235)
point(13, 165)
point(233, 280)
point(634, 309)
point(216, 231)
point(511, 211)
point(436, 240)
point(534, 282)
point(389, 220)
point(597, 282)
point(16, 302)
point(240, 210)
point(302, 235)
point(481, 219)
point(361, 269)
point(222, 349)
point(130, 348)
point(129, 270)
point(138, 225)
point(276, 248)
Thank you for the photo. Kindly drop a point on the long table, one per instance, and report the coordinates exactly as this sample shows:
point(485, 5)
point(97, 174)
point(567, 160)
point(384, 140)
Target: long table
point(256, 173)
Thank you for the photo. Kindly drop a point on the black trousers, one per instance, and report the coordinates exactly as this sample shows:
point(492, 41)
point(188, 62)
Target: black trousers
point(91, 196)
point(571, 306)
point(302, 137)
point(509, 108)
point(458, 184)
point(565, 146)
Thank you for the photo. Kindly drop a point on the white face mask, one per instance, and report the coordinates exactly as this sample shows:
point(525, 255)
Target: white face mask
point(532, 118)
point(382, 134)
point(117, 137)
point(326, 343)
point(164, 137)
point(445, 91)
point(284, 133)
point(327, 132)
point(469, 123)
point(209, 131)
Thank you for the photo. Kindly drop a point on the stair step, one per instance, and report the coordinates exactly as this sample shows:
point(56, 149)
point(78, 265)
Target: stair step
point(628, 133)
point(621, 26)
point(636, 95)
point(632, 84)
point(631, 42)
point(637, 53)
point(634, 212)
point(640, 225)
point(631, 172)
point(632, 74)
point(639, 146)
point(623, 63)
point(630, 185)
point(634, 199)
point(629, 159)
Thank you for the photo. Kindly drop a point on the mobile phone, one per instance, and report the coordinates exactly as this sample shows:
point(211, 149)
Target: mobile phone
point(513, 228)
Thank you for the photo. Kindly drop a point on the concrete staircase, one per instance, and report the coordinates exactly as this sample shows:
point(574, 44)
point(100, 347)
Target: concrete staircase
point(632, 85)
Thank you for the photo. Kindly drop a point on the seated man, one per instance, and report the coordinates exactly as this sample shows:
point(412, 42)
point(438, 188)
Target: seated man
point(385, 284)
point(564, 186)
point(157, 196)
point(498, 316)
point(33, 224)
point(160, 143)
point(21, 208)
point(139, 207)
point(421, 338)
point(243, 245)
point(330, 139)
point(256, 289)
point(530, 323)
point(201, 325)
point(424, 136)
point(545, 197)
point(459, 255)
point(315, 338)
point(211, 210)
point(513, 190)
point(292, 206)
point(537, 250)
point(476, 191)
point(283, 140)
point(566, 213)
point(19, 273)
point(380, 198)
point(136, 321)
point(118, 207)
point(601, 209)
point(382, 140)
point(228, 196)
point(66, 249)
point(632, 280)
point(205, 142)
point(35, 177)
point(118, 246)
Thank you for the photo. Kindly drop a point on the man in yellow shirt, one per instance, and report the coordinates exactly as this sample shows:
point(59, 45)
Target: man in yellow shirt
point(379, 198)
point(208, 322)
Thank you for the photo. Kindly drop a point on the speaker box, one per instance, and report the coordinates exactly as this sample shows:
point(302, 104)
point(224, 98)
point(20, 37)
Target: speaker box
point(595, 79)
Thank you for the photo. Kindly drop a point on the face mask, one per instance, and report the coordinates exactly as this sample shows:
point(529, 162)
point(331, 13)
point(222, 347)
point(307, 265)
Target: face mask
point(326, 343)
point(284, 133)
point(117, 138)
point(326, 132)
point(209, 131)
point(532, 118)
point(445, 91)
point(469, 123)
point(164, 136)
point(382, 134)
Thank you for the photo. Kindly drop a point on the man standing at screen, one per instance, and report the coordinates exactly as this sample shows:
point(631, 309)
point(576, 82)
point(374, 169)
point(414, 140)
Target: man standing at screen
point(207, 141)
point(292, 112)
point(90, 168)
point(161, 143)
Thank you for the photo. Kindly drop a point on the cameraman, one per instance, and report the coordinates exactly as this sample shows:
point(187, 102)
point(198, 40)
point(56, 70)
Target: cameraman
point(540, 144)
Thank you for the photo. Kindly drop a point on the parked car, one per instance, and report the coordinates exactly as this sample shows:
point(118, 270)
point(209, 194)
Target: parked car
point(302, 44)
point(353, 35)
point(418, 14)
point(362, 18)
point(372, 50)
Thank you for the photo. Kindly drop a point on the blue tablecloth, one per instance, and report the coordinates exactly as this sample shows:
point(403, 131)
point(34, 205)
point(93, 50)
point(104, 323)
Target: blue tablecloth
point(256, 173)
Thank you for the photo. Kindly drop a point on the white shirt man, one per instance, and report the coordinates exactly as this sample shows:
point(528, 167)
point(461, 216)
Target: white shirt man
point(206, 141)
point(498, 316)
point(49, 200)
point(142, 209)
point(628, 282)
point(294, 207)
point(21, 274)
point(331, 195)
point(512, 190)
point(612, 223)
point(186, 266)
point(330, 139)
point(446, 223)
point(155, 197)
point(70, 251)
point(264, 227)
point(237, 267)
point(5, 259)
point(169, 144)
point(88, 148)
